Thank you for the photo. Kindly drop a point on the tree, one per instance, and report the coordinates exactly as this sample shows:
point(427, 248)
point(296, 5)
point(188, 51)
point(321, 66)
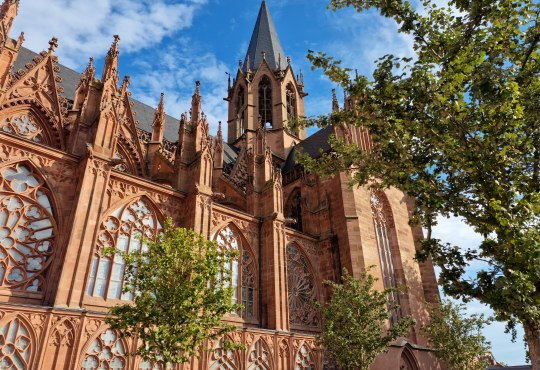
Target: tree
point(457, 127)
point(456, 338)
point(355, 322)
point(181, 291)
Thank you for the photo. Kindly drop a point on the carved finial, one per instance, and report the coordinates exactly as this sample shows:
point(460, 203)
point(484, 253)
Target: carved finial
point(240, 63)
point(159, 121)
point(288, 60)
point(279, 61)
point(219, 132)
point(90, 70)
point(53, 44)
point(197, 87)
point(301, 76)
point(263, 54)
point(114, 51)
point(248, 64)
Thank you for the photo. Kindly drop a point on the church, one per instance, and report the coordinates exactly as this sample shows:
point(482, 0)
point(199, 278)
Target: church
point(84, 166)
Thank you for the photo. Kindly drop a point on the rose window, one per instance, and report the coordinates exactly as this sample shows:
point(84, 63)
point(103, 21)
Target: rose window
point(123, 231)
point(223, 358)
point(15, 346)
point(27, 229)
point(301, 290)
point(106, 352)
point(304, 359)
point(259, 357)
point(23, 125)
point(242, 279)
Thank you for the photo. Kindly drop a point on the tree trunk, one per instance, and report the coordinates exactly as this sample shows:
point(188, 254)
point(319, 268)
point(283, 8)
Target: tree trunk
point(532, 334)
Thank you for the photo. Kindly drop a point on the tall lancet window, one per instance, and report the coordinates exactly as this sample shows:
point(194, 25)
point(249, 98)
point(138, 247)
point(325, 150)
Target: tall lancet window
point(291, 105)
point(387, 260)
point(240, 101)
point(121, 230)
point(293, 210)
point(265, 101)
point(243, 273)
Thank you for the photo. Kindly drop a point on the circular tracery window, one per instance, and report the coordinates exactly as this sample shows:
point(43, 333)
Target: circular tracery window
point(27, 229)
point(301, 290)
point(23, 125)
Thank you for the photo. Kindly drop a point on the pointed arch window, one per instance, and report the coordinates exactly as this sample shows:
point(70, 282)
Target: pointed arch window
point(302, 291)
point(243, 271)
point(27, 229)
point(16, 345)
point(294, 210)
point(382, 235)
point(304, 359)
point(121, 230)
point(265, 102)
point(260, 357)
point(291, 102)
point(222, 358)
point(240, 101)
point(105, 352)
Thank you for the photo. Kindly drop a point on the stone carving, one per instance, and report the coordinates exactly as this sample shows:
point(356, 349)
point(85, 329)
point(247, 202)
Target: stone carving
point(121, 230)
point(27, 229)
point(301, 290)
point(304, 359)
point(223, 358)
point(25, 126)
point(259, 357)
point(107, 351)
point(16, 344)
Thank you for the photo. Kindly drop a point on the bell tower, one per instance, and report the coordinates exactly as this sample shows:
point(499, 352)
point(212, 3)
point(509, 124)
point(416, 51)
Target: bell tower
point(266, 92)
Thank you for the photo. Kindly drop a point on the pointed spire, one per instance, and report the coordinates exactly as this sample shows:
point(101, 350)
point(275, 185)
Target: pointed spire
point(158, 125)
point(90, 70)
point(335, 103)
point(125, 85)
point(8, 12)
point(264, 38)
point(219, 135)
point(111, 62)
point(196, 103)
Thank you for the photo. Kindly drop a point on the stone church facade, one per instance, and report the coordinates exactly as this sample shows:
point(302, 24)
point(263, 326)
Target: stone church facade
point(84, 166)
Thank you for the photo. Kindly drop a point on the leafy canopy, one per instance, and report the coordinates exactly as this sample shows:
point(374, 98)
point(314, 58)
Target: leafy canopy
point(456, 338)
point(181, 292)
point(458, 128)
point(355, 322)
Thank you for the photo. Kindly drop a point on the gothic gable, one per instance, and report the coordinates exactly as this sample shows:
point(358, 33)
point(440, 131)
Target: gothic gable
point(37, 89)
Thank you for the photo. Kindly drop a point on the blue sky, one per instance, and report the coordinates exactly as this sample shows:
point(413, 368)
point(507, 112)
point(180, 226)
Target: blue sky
point(166, 45)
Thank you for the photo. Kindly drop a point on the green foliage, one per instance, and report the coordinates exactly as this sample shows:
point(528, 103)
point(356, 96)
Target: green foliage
point(456, 338)
point(181, 293)
point(355, 322)
point(458, 128)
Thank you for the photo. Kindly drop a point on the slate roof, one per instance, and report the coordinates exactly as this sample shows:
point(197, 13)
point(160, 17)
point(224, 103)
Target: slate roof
point(265, 39)
point(312, 146)
point(144, 113)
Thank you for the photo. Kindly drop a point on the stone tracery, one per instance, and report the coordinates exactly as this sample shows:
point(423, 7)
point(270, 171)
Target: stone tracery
point(23, 125)
point(16, 345)
point(243, 276)
point(107, 351)
point(121, 230)
point(304, 359)
point(259, 357)
point(301, 290)
point(222, 358)
point(27, 229)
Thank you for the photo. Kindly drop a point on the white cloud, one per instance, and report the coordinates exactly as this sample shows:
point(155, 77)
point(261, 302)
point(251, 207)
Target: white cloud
point(84, 27)
point(174, 71)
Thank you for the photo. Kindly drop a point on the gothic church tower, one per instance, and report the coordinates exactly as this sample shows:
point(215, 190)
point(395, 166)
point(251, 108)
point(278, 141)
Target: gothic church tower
point(266, 91)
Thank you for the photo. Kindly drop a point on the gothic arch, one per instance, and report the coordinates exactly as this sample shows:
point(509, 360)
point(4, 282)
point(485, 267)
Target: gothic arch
point(103, 349)
point(28, 227)
point(127, 151)
point(18, 342)
point(293, 209)
point(245, 274)
point(408, 360)
point(304, 358)
point(120, 228)
point(302, 290)
point(59, 350)
point(265, 100)
point(388, 247)
point(221, 358)
point(259, 356)
point(31, 121)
